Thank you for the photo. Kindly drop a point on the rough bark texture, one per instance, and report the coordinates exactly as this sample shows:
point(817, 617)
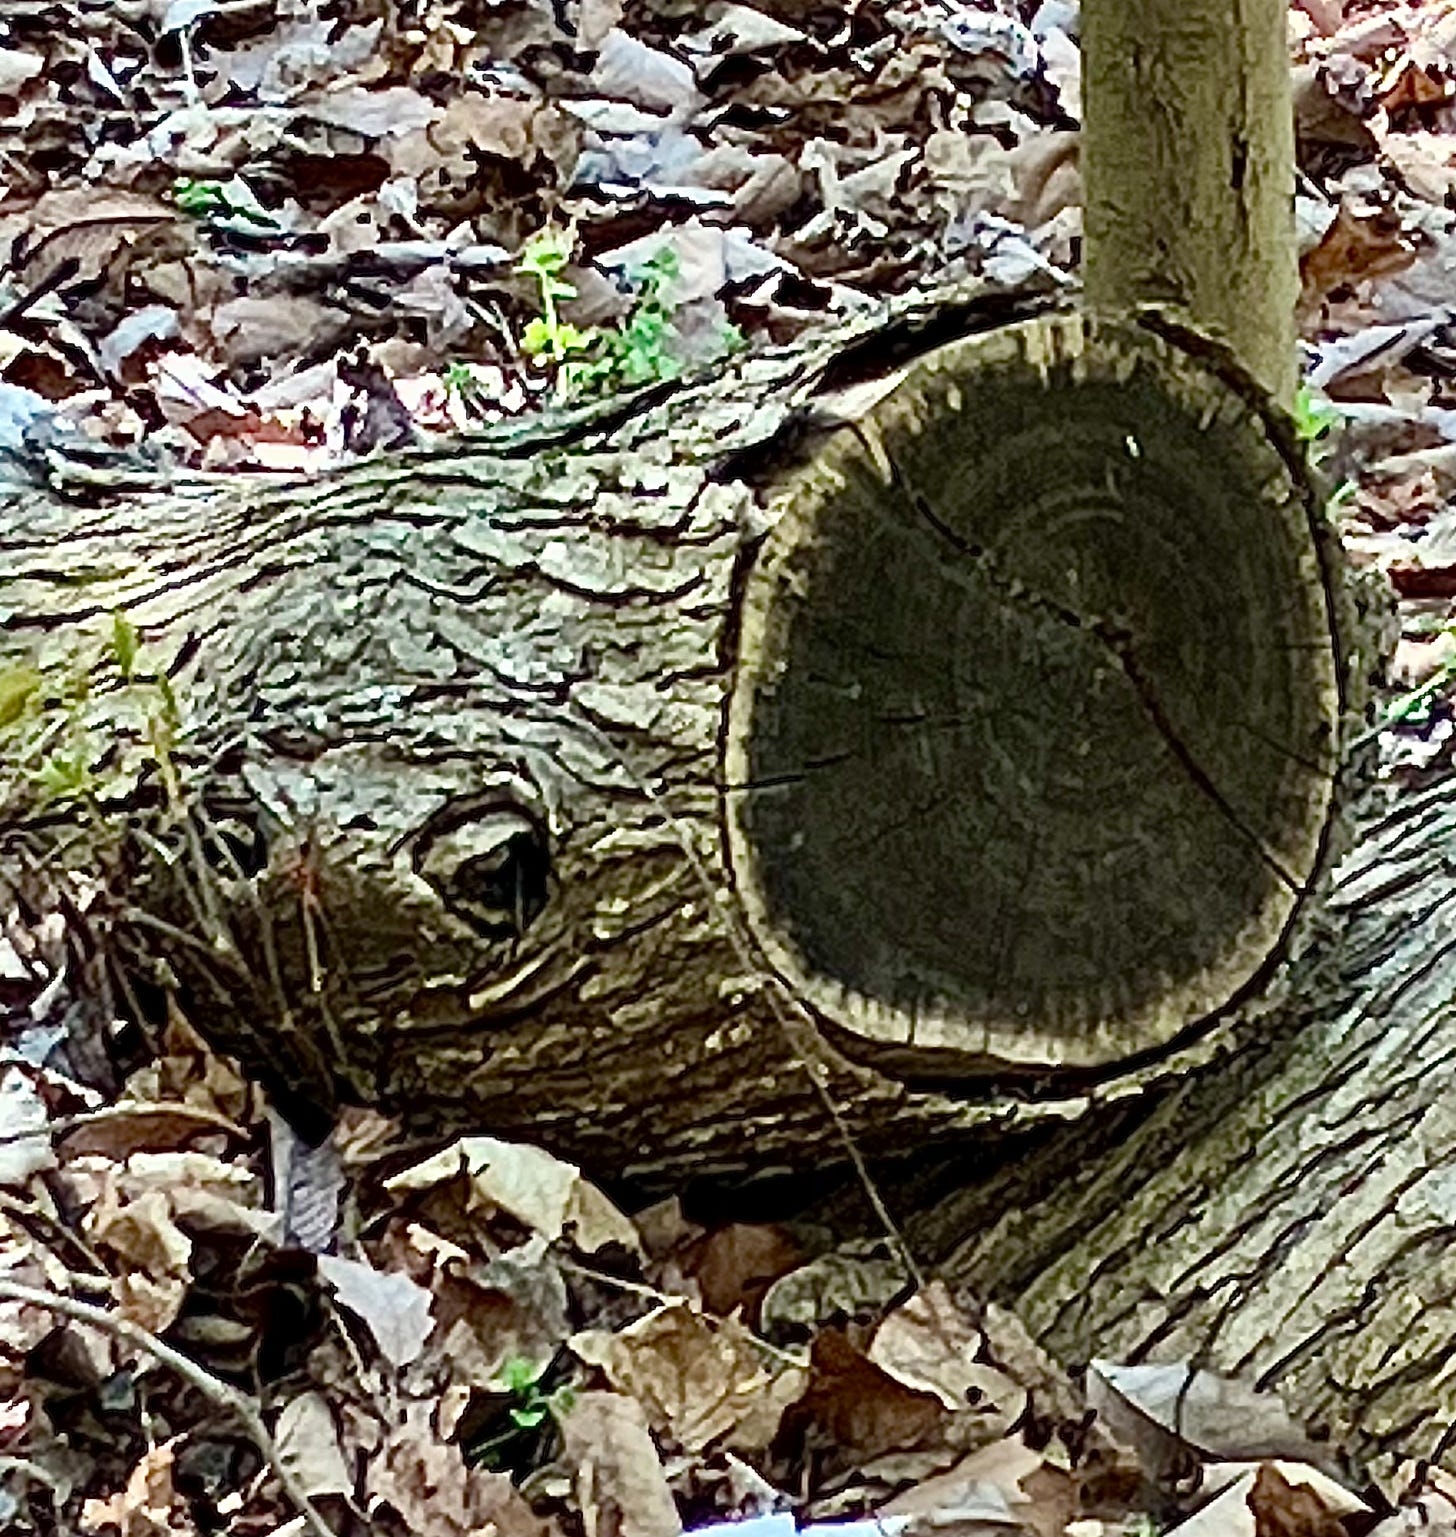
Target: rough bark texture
point(1287, 1214)
point(417, 780)
point(1187, 155)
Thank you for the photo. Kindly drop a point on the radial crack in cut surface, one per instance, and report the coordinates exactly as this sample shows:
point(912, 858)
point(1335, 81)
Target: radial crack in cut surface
point(1114, 634)
point(1025, 765)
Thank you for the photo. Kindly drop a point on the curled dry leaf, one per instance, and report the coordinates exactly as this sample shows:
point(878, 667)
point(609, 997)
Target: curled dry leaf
point(1275, 1499)
point(149, 1506)
point(1166, 1411)
point(308, 1442)
point(542, 1192)
point(396, 1309)
point(929, 1343)
point(735, 1265)
point(426, 1480)
point(854, 1411)
point(835, 1285)
point(1003, 1486)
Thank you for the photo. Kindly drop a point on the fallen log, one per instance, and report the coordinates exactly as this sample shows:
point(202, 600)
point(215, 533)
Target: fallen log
point(933, 724)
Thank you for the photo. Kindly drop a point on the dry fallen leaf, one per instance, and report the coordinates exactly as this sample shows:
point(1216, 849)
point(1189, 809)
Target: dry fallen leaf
point(700, 1380)
point(426, 1480)
point(929, 1343)
point(620, 1487)
point(149, 1506)
point(1274, 1499)
point(396, 1309)
point(308, 1442)
point(1166, 1411)
point(538, 1190)
point(736, 1264)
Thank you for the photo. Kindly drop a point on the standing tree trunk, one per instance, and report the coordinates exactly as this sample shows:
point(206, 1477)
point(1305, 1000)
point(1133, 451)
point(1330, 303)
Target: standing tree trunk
point(1187, 159)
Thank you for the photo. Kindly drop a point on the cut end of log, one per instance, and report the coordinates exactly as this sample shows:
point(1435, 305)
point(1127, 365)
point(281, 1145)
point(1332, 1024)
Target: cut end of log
point(1030, 757)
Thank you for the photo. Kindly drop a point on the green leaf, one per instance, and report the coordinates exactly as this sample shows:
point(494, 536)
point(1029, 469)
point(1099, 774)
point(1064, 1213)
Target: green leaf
point(1314, 416)
point(125, 642)
point(570, 338)
point(545, 254)
point(519, 1375)
point(17, 684)
point(528, 1419)
point(65, 774)
point(199, 198)
point(537, 338)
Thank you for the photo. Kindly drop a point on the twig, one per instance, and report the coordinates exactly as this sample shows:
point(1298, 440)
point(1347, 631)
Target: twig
point(666, 1299)
point(239, 1405)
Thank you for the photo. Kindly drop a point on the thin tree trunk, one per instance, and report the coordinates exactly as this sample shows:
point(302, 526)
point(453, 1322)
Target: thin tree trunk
point(1187, 157)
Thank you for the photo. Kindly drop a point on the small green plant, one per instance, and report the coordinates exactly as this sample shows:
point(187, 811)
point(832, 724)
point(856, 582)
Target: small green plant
point(216, 202)
point(1141, 1524)
point(464, 382)
point(522, 1418)
point(51, 746)
point(1315, 421)
point(642, 349)
point(548, 339)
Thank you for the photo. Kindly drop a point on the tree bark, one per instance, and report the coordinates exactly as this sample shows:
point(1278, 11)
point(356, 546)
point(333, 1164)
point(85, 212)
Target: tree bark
point(1286, 1214)
point(1187, 156)
point(935, 724)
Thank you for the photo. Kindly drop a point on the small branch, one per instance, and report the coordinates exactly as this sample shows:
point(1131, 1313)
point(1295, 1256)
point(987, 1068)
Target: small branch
point(239, 1405)
point(668, 1299)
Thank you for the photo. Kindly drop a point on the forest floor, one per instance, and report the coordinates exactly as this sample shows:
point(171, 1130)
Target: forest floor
point(277, 234)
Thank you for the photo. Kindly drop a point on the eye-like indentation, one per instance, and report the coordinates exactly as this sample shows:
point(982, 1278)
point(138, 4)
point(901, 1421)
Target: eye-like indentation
point(490, 862)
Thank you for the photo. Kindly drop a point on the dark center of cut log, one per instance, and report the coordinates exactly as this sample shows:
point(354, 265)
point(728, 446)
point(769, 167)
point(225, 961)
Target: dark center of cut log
point(1030, 754)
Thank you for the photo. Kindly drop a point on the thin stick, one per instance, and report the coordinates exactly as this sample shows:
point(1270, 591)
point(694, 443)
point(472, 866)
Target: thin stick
point(239, 1405)
point(667, 1299)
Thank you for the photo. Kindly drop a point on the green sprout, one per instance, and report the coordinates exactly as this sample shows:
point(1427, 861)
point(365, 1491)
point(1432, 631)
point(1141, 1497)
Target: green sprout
point(51, 745)
point(216, 202)
point(518, 1431)
point(1315, 420)
point(641, 349)
point(549, 339)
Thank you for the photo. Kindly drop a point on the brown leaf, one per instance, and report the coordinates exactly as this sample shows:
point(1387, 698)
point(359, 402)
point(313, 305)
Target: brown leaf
point(929, 1343)
point(1354, 248)
point(541, 1191)
point(855, 1411)
point(735, 1265)
point(621, 1489)
point(1271, 1499)
point(426, 1480)
point(1289, 1510)
point(700, 1380)
point(151, 1302)
point(141, 1231)
point(134, 1125)
point(149, 1506)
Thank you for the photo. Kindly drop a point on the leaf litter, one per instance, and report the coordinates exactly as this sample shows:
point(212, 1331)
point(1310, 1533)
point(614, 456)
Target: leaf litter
point(277, 235)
